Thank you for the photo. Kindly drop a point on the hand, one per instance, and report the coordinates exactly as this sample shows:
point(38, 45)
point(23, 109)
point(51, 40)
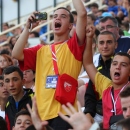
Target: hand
point(76, 119)
point(90, 31)
point(37, 122)
point(90, 118)
point(31, 20)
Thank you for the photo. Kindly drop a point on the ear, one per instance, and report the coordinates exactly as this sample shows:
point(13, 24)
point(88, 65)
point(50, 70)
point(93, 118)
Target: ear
point(70, 26)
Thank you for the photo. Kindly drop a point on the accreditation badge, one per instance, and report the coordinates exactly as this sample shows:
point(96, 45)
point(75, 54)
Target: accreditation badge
point(51, 81)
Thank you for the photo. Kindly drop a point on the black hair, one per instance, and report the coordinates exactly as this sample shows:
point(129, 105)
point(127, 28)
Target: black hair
point(125, 124)
point(3, 124)
point(113, 19)
point(4, 51)
point(123, 54)
point(70, 14)
point(22, 112)
point(74, 12)
point(12, 69)
point(92, 17)
point(36, 34)
point(94, 5)
point(109, 33)
point(125, 93)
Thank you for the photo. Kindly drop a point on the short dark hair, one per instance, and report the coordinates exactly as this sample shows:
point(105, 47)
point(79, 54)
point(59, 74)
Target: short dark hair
point(70, 14)
point(113, 19)
point(125, 93)
point(123, 54)
point(3, 124)
point(12, 69)
point(94, 5)
point(22, 112)
point(74, 12)
point(92, 17)
point(109, 33)
point(125, 123)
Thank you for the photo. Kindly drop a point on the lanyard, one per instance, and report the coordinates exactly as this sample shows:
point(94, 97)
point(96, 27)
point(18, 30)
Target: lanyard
point(52, 48)
point(115, 101)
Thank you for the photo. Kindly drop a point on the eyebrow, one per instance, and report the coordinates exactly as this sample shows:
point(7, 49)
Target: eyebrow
point(121, 62)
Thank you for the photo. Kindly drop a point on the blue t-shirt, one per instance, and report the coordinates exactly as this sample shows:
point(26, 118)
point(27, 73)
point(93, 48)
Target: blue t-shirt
point(123, 44)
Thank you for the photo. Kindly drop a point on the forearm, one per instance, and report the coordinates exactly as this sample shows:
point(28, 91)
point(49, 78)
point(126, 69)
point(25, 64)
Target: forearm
point(88, 57)
point(80, 8)
point(20, 44)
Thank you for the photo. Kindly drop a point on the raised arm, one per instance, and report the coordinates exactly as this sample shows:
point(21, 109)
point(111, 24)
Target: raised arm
point(88, 56)
point(81, 20)
point(17, 52)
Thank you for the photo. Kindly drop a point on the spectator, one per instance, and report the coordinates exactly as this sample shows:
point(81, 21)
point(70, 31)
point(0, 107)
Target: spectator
point(3, 97)
point(74, 13)
point(125, 102)
point(110, 24)
point(5, 26)
point(5, 61)
point(13, 81)
point(22, 120)
point(118, 10)
point(119, 71)
point(90, 19)
point(29, 79)
point(3, 124)
point(93, 102)
point(71, 50)
point(33, 34)
point(94, 8)
point(125, 28)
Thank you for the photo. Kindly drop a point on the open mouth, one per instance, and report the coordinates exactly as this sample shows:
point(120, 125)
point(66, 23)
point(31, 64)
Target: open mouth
point(57, 25)
point(117, 74)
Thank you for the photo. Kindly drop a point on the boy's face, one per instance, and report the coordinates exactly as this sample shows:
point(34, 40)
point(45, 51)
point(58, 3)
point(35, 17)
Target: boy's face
point(3, 91)
point(13, 83)
point(22, 122)
point(106, 45)
point(4, 62)
point(89, 20)
point(125, 103)
point(61, 22)
point(94, 9)
point(28, 76)
point(120, 70)
point(111, 3)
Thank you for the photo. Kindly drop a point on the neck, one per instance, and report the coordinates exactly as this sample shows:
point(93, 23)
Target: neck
point(3, 104)
point(119, 86)
point(29, 84)
point(19, 96)
point(60, 38)
point(106, 58)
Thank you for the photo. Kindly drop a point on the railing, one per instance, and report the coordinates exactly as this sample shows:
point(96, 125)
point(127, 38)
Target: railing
point(49, 11)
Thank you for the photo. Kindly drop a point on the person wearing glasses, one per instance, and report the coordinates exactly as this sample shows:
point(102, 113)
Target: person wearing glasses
point(110, 24)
